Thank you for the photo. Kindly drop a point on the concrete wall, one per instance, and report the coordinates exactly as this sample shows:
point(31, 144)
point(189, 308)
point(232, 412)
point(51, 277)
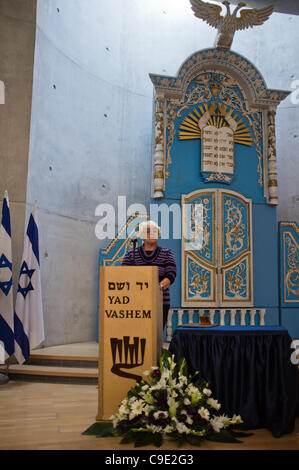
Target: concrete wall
point(273, 48)
point(91, 127)
point(17, 39)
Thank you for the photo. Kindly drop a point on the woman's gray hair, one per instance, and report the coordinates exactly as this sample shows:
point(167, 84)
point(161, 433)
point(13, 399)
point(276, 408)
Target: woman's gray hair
point(142, 230)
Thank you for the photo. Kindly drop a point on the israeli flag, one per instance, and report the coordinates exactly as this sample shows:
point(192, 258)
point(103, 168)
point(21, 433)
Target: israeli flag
point(6, 289)
point(28, 317)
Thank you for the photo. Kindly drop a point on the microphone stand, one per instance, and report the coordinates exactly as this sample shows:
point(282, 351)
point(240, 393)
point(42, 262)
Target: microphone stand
point(134, 241)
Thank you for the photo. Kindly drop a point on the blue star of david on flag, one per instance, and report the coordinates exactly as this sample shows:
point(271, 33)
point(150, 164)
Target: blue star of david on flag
point(25, 271)
point(5, 286)
point(4, 262)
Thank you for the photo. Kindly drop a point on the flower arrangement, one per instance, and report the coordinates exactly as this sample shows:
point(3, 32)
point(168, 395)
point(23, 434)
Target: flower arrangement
point(172, 404)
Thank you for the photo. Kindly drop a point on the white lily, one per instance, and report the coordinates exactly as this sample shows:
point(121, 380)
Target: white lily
point(213, 403)
point(204, 413)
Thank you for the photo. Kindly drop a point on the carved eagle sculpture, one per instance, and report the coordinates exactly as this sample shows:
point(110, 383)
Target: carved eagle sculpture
point(227, 25)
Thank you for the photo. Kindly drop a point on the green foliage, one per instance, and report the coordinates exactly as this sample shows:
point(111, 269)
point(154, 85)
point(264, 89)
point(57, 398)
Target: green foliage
point(142, 438)
point(164, 363)
point(101, 430)
point(241, 434)
point(224, 436)
point(193, 440)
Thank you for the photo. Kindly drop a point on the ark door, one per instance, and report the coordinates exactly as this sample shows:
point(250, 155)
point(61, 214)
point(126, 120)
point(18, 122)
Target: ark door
point(216, 249)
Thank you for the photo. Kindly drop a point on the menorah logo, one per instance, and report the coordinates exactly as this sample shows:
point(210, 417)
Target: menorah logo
point(127, 356)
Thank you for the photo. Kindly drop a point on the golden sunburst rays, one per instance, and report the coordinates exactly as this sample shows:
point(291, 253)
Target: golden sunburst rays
point(189, 128)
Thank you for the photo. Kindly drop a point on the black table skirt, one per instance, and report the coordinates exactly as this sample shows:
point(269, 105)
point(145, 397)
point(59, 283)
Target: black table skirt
point(249, 371)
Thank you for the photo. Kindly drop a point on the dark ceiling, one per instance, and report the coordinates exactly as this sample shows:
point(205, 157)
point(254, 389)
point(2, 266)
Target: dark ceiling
point(280, 6)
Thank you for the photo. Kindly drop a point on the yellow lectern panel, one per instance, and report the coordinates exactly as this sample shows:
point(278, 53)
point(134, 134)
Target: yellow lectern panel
point(130, 331)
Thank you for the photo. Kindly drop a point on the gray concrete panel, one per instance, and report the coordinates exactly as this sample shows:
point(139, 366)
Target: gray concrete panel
point(17, 40)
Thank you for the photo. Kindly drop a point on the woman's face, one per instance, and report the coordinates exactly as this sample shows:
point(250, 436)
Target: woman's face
point(152, 234)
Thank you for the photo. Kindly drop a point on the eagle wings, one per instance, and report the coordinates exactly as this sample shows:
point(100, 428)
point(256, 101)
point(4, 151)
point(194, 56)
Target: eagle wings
point(227, 25)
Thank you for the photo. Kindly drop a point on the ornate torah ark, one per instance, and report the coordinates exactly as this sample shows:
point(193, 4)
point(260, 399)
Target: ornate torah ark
point(214, 155)
point(214, 148)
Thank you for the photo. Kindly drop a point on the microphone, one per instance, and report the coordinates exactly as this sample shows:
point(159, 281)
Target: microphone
point(134, 240)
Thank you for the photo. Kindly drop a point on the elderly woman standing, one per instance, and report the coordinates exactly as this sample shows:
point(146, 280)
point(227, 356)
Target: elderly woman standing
point(150, 254)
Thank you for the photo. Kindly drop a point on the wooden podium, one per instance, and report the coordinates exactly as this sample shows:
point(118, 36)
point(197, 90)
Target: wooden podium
point(130, 331)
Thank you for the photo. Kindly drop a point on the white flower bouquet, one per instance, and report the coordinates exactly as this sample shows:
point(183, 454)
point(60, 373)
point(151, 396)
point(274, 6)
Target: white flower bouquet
point(171, 403)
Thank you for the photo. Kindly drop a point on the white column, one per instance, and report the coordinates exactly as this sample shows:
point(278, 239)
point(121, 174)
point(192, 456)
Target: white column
point(212, 315)
point(243, 315)
point(262, 316)
point(222, 317)
point(158, 152)
point(252, 316)
point(180, 317)
point(232, 314)
point(190, 316)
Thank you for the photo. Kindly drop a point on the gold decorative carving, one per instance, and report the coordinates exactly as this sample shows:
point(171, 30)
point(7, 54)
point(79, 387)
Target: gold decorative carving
point(201, 95)
point(158, 160)
point(123, 234)
point(272, 167)
point(234, 234)
point(218, 117)
point(236, 281)
point(228, 24)
point(291, 273)
point(199, 281)
point(218, 177)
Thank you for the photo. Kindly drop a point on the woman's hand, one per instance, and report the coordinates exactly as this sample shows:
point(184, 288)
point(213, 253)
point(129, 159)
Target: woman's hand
point(165, 283)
